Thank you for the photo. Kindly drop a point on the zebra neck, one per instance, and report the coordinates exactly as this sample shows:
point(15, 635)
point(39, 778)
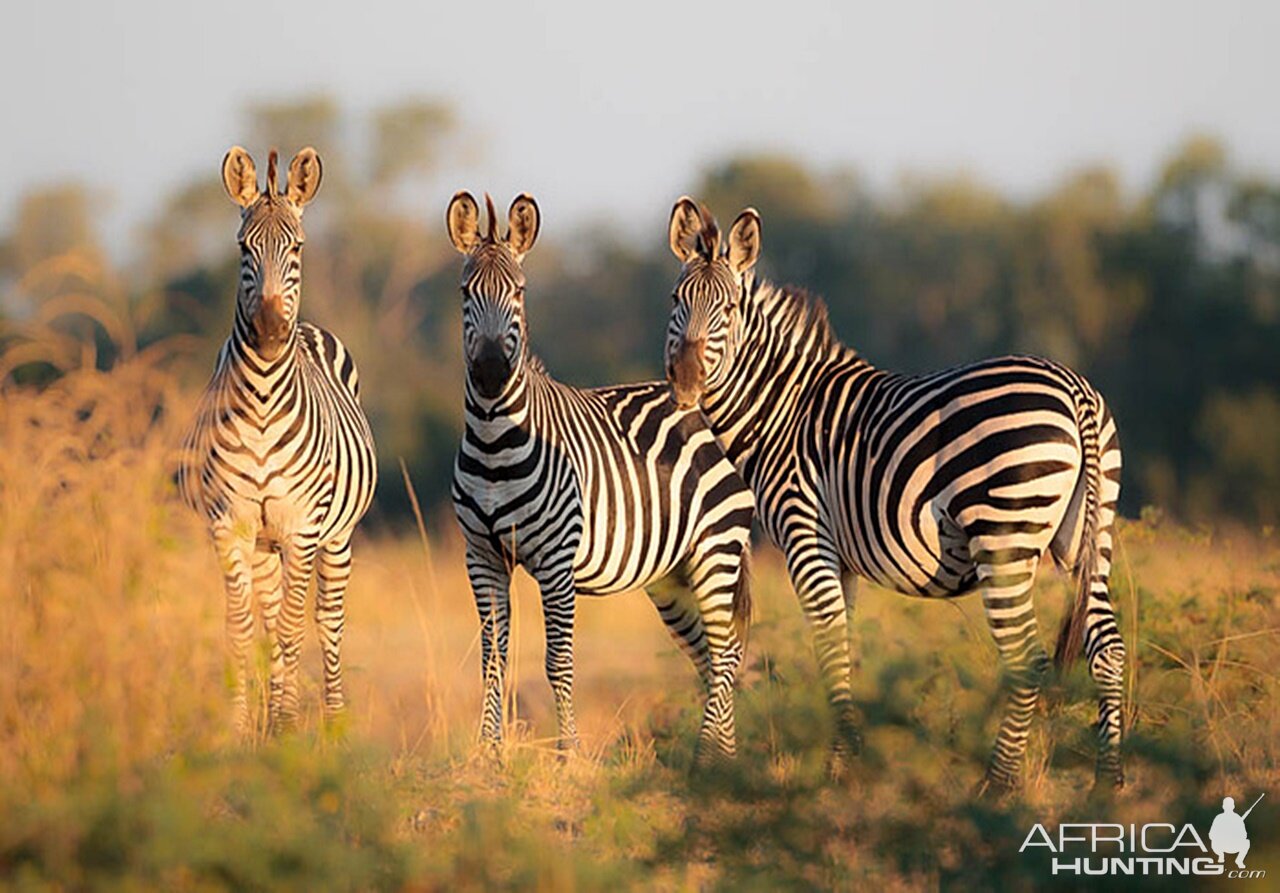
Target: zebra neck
point(786, 344)
point(254, 371)
point(489, 420)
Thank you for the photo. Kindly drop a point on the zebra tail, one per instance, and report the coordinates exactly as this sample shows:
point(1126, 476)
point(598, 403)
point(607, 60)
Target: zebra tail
point(1071, 637)
point(742, 598)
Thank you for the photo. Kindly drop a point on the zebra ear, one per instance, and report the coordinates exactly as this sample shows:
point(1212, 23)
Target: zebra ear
point(304, 177)
point(744, 241)
point(523, 221)
point(686, 225)
point(240, 177)
point(463, 219)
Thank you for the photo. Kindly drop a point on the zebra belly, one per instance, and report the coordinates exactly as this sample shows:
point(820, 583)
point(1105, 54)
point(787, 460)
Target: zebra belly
point(926, 547)
point(931, 561)
point(609, 581)
point(940, 471)
point(642, 513)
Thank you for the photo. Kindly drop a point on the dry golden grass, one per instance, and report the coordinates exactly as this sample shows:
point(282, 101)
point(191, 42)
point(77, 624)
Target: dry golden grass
point(117, 770)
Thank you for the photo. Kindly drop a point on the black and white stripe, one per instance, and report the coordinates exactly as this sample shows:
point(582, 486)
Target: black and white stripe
point(931, 485)
point(593, 491)
point(280, 457)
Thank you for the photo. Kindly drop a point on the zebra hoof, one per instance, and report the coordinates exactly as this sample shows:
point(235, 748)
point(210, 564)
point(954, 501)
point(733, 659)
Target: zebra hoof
point(850, 742)
point(839, 766)
point(1105, 789)
point(994, 788)
point(489, 753)
point(844, 751)
point(282, 725)
point(336, 725)
point(241, 728)
point(709, 758)
point(567, 749)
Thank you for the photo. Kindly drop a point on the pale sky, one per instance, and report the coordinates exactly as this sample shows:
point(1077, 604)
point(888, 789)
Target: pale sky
point(605, 111)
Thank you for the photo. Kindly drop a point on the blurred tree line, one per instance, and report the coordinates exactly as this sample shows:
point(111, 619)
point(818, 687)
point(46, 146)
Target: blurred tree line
point(1169, 300)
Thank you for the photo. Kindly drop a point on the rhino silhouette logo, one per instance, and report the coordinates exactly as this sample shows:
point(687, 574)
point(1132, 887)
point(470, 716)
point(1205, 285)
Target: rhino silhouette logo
point(1228, 834)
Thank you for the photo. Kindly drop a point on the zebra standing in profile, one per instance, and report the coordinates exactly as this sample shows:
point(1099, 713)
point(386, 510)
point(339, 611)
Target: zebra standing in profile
point(593, 491)
point(280, 459)
point(930, 485)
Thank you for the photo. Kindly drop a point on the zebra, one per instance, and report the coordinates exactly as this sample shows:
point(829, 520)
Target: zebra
point(593, 491)
point(931, 485)
point(279, 460)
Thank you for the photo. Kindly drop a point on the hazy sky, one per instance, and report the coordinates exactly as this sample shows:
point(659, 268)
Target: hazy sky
point(601, 110)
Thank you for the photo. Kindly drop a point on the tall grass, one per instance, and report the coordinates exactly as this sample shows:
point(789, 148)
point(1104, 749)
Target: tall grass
point(117, 769)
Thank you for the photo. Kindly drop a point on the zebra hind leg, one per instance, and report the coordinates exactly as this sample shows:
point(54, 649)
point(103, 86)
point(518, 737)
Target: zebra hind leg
point(1102, 644)
point(1104, 648)
point(721, 589)
point(680, 613)
point(1006, 576)
point(674, 601)
point(700, 617)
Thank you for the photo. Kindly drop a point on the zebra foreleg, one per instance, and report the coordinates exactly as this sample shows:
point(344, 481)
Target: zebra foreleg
point(1006, 576)
point(491, 587)
point(559, 597)
point(299, 563)
point(814, 568)
point(334, 573)
point(268, 585)
point(234, 544)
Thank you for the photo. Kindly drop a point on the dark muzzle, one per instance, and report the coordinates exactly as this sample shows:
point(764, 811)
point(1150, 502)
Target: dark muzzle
point(687, 374)
point(490, 369)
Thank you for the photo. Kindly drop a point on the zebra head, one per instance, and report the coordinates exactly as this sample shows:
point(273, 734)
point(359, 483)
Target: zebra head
point(270, 240)
point(493, 321)
point(706, 312)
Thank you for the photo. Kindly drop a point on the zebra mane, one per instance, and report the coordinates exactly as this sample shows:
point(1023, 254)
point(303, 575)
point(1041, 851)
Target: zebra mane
point(710, 234)
point(272, 183)
point(493, 219)
point(798, 313)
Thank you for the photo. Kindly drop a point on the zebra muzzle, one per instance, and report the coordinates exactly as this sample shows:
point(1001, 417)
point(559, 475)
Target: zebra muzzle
point(270, 327)
point(687, 374)
point(490, 369)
